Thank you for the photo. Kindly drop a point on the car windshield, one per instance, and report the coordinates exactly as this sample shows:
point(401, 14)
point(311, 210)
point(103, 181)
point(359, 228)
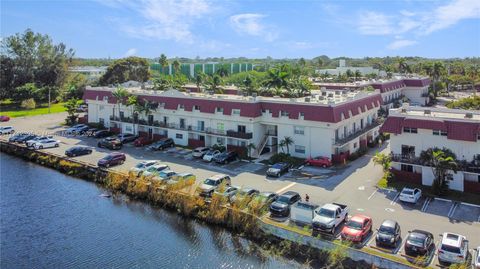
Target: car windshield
point(108, 157)
point(283, 199)
point(326, 213)
point(407, 192)
point(386, 230)
point(354, 225)
point(277, 165)
point(140, 165)
point(416, 239)
point(211, 182)
point(450, 249)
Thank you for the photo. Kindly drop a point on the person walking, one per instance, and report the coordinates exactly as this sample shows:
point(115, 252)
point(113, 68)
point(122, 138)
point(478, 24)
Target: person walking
point(307, 198)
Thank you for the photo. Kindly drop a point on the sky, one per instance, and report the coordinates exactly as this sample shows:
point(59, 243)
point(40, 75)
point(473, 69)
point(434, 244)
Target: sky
point(252, 28)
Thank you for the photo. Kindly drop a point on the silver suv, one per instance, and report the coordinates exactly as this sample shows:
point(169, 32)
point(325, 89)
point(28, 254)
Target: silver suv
point(453, 248)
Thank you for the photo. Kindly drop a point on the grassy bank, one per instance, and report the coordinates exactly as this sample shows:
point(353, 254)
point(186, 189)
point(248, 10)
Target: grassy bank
point(14, 110)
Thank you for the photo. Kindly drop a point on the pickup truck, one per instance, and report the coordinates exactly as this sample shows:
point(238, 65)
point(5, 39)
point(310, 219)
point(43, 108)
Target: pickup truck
point(303, 212)
point(329, 217)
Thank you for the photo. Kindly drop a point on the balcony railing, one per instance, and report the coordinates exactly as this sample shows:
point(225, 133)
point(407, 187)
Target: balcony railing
point(357, 133)
point(241, 135)
point(463, 165)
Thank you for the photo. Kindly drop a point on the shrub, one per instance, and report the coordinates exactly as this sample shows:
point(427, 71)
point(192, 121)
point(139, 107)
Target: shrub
point(28, 104)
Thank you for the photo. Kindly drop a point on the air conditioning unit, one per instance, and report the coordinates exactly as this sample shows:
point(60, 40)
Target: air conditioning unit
point(307, 99)
point(469, 115)
point(427, 112)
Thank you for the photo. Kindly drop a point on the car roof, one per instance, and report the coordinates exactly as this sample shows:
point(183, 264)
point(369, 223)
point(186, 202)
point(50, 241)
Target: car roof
point(289, 194)
point(159, 165)
point(185, 174)
point(217, 176)
point(421, 233)
point(359, 218)
point(452, 239)
point(408, 189)
point(116, 153)
point(389, 223)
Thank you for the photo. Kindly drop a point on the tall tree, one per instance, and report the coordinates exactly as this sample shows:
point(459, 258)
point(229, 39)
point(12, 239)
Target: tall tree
point(122, 70)
point(199, 80)
point(441, 161)
point(277, 79)
point(213, 84)
point(163, 61)
point(249, 85)
point(176, 66)
point(437, 70)
point(287, 141)
point(121, 95)
point(132, 102)
point(222, 71)
point(357, 74)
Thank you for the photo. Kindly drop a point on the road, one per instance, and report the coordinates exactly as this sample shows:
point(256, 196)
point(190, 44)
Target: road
point(354, 185)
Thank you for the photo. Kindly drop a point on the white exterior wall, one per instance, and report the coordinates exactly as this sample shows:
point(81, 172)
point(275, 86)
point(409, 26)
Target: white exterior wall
point(424, 140)
point(414, 94)
point(455, 184)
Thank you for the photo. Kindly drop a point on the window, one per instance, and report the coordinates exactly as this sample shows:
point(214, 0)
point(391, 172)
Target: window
point(439, 132)
point(410, 130)
point(241, 129)
point(443, 133)
point(182, 123)
point(302, 114)
point(101, 121)
point(196, 107)
point(105, 98)
point(219, 109)
point(179, 136)
point(407, 168)
point(299, 130)
point(284, 113)
point(101, 107)
point(235, 111)
point(128, 128)
point(299, 149)
point(181, 106)
point(355, 145)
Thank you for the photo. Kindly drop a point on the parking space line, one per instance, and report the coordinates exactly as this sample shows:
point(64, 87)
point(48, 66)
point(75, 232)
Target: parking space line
point(425, 204)
point(394, 201)
point(286, 187)
point(371, 239)
point(371, 195)
point(452, 210)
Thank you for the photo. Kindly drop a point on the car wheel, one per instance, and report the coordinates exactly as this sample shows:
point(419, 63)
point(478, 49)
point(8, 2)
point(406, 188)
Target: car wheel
point(324, 166)
point(90, 152)
point(56, 145)
point(40, 147)
point(107, 165)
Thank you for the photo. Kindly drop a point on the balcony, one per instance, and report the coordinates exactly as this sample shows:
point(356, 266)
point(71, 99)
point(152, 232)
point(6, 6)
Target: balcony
point(241, 135)
point(351, 136)
point(463, 165)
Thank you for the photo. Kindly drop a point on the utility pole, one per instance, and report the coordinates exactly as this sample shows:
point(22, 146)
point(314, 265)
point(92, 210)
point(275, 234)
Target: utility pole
point(49, 89)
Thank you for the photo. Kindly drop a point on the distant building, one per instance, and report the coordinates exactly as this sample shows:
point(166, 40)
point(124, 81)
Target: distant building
point(342, 69)
point(415, 129)
point(191, 70)
point(89, 71)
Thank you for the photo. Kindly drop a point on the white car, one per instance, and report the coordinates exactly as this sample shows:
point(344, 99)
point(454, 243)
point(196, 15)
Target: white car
point(409, 195)
point(30, 143)
point(6, 130)
point(453, 248)
point(75, 128)
point(476, 259)
point(154, 170)
point(49, 143)
point(142, 166)
point(165, 175)
point(210, 155)
point(199, 152)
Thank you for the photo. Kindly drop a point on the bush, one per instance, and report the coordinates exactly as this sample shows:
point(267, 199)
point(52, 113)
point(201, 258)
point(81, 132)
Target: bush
point(284, 157)
point(28, 104)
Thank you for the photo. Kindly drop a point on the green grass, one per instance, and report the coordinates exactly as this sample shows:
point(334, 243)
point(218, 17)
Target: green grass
point(14, 110)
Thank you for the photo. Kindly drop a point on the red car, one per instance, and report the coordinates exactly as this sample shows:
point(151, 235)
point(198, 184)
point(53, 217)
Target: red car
point(4, 118)
point(115, 158)
point(319, 161)
point(142, 141)
point(357, 228)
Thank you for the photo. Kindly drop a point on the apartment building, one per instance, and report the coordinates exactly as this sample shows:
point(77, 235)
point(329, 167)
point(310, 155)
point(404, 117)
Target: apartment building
point(415, 129)
point(332, 126)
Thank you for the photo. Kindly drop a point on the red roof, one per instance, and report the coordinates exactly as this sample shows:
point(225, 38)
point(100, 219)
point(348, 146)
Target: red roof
point(392, 125)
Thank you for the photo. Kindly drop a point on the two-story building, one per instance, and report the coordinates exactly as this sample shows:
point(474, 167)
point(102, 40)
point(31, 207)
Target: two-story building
point(416, 129)
point(332, 126)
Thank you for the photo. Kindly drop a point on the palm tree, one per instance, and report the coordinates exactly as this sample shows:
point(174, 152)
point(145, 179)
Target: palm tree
point(163, 61)
point(437, 70)
point(176, 66)
point(320, 62)
point(349, 73)
point(287, 141)
point(302, 63)
point(120, 94)
point(222, 71)
point(162, 83)
point(403, 66)
point(441, 161)
point(357, 74)
point(277, 78)
point(384, 160)
point(301, 86)
point(132, 102)
point(248, 85)
point(213, 84)
point(199, 80)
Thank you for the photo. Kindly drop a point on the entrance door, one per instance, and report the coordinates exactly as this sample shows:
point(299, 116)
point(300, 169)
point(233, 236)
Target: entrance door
point(150, 133)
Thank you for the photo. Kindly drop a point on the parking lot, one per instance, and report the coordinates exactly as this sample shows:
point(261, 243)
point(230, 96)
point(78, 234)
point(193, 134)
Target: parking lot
point(353, 185)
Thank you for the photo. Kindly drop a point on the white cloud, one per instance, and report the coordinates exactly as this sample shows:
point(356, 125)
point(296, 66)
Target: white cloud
point(251, 24)
point(401, 43)
point(375, 23)
point(450, 14)
point(130, 52)
point(166, 19)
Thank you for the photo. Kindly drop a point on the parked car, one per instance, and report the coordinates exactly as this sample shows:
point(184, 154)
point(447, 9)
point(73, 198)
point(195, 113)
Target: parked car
point(110, 143)
point(319, 161)
point(142, 141)
point(329, 217)
point(19, 136)
point(165, 175)
point(114, 158)
point(243, 194)
point(281, 207)
point(102, 134)
point(77, 151)
point(49, 143)
point(225, 157)
point(75, 128)
point(228, 192)
point(6, 130)
point(162, 144)
point(199, 152)
point(210, 155)
point(182, 176)
point(210, 184)
point(409, 195)
point(154, 170)
point(4, 118)
point(266, 197)
point(453, 248)
point(82, 130)
point(127, 138)
point(476, 259)
point(29, 143)
point(26, 138)
point(418, 243)
point(91, 131)
point(357, 228)
point(142, 166)
point(303, 212)
point(388, 234)
point(278, 169)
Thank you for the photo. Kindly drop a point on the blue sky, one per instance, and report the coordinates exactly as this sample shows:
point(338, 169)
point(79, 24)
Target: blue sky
point(249, 28)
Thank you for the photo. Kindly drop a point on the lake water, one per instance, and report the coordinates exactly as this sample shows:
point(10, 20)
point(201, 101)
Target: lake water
point(50, 220)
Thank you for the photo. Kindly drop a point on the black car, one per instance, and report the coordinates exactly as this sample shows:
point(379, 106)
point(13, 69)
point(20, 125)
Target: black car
point(162, 144)
point(102, 134)
point(278, 169)
point(17, 136)
point(77, 151)
point(82, 130)
point(388, 234)
point(25, 138)
point(281, 206)
point(91, 131)
point(225, 157)
point(418, 243)
point(110, 143)
point(127, 138)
